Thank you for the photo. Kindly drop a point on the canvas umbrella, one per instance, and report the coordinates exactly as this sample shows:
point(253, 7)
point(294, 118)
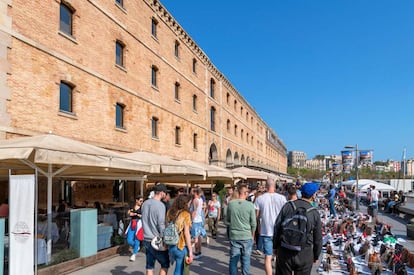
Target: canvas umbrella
point(251, 173)
point(56, 156)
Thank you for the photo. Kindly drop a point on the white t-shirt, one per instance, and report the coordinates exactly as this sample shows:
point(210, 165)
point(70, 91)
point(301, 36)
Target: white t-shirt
point(374, 195)
point(269, 205)
point(199, 211)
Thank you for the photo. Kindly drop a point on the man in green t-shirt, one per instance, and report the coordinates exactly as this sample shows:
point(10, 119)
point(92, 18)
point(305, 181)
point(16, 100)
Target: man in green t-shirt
point(241, 217)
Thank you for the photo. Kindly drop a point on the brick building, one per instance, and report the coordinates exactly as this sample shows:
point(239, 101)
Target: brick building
point(126, 76)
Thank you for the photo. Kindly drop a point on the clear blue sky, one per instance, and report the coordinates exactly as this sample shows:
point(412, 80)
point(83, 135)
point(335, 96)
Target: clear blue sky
point(322, 73)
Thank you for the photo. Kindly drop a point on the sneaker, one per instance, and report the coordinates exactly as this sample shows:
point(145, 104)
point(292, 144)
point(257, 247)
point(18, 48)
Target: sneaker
point(258, 252)
point(198, 256)
point(132, 258)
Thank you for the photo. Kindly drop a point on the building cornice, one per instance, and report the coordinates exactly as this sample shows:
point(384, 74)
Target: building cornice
point(170, 21)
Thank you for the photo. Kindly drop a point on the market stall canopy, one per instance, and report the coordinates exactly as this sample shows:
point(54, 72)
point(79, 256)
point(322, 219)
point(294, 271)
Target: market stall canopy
point(379, 186)
point(68, 157)
point(251, 173)
point(361, 182)
point(164, 165)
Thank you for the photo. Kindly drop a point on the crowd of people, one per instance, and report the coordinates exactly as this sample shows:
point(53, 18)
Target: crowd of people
point(290, 223)
point(264, 219)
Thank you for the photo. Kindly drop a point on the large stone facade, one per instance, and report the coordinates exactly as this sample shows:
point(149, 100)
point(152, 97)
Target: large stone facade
point(36, 56)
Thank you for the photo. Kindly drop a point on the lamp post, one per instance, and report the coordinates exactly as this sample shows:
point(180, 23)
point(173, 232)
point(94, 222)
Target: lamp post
point(357, 175)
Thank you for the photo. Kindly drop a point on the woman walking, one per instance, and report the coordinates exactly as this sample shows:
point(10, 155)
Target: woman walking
point(213, 209)
point(132, 238)
point(180, 215)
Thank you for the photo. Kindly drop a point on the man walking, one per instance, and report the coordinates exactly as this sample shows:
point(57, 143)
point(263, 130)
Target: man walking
point(242, 224)
point(298, 234)
point(268, 207)
point(153, 223)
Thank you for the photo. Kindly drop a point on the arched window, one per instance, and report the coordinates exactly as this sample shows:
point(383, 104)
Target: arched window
point(228, 125)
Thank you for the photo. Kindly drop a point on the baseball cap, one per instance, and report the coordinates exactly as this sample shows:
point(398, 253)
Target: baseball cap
point(309, 188)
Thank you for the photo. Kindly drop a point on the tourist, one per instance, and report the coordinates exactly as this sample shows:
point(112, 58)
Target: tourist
point(292, 194)
point(331, 198)
point(242, 224)
point(135, 214)
point(213, 215)
point(268, 207)
point(293, 261)
point(153, 222)
point(197, 215)
point(373, 203)
point(179, 213)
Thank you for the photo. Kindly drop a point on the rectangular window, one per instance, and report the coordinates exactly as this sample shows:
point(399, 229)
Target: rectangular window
point(212, 87)
point(194, 103)
point(177, 91)
point(120, 2)
point(154, 72)
point(66, 15)
point(65, 97)
point(213, 119)
point(119, 53)
point(177, 49)
point(154, 24)
point(154, 127)
point(177, 135)
point(119, 117)
point(195, 141)
point(194, 65)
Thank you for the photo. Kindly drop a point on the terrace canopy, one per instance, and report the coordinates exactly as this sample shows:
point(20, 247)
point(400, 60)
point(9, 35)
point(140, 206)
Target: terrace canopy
point(56, 156)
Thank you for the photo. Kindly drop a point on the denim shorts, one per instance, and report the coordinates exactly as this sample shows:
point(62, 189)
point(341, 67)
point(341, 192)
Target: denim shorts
point(267, 245)
point(197, 230)
point(152, 255)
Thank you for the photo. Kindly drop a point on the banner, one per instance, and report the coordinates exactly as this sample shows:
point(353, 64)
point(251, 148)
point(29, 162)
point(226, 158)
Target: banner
point(21, 224)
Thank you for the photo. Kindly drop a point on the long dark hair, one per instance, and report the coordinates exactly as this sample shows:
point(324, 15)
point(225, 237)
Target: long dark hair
point(179, 204)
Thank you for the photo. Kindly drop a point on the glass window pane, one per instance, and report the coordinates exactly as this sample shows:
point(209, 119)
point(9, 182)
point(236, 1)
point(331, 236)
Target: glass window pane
point(65, 19)
point(119, 54)
point(65, 99)
point(119, 116)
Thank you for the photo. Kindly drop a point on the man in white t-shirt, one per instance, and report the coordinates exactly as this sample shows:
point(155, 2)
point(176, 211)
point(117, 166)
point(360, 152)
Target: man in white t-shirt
point(374, 201)
point(268, 207)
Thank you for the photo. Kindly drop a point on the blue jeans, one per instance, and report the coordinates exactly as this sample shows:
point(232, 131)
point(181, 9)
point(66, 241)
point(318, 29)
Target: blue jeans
point(133, 241)
point(240, 250)
point(259, 243)
point(179, 257)
point(332, 206)
point(267, 245)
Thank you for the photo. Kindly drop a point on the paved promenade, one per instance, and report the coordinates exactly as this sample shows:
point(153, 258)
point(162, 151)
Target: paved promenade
point(216, 256)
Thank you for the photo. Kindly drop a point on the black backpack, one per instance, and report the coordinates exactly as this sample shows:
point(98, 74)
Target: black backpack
point(294, 228)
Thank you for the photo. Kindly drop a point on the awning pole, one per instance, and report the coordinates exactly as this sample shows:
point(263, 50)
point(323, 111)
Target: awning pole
point(49, 214)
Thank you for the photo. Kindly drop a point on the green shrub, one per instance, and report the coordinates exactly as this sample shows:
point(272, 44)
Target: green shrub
point(64, 255)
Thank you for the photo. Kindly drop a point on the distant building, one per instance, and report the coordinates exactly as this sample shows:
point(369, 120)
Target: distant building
point(316, 164)
point(296, 159)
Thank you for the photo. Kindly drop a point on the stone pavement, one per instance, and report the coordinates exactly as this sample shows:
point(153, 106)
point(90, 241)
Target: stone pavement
point(214, 261)
point(216, 255)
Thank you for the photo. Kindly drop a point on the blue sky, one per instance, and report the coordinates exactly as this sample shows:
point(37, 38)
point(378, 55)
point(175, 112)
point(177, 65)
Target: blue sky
point(322, 73)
